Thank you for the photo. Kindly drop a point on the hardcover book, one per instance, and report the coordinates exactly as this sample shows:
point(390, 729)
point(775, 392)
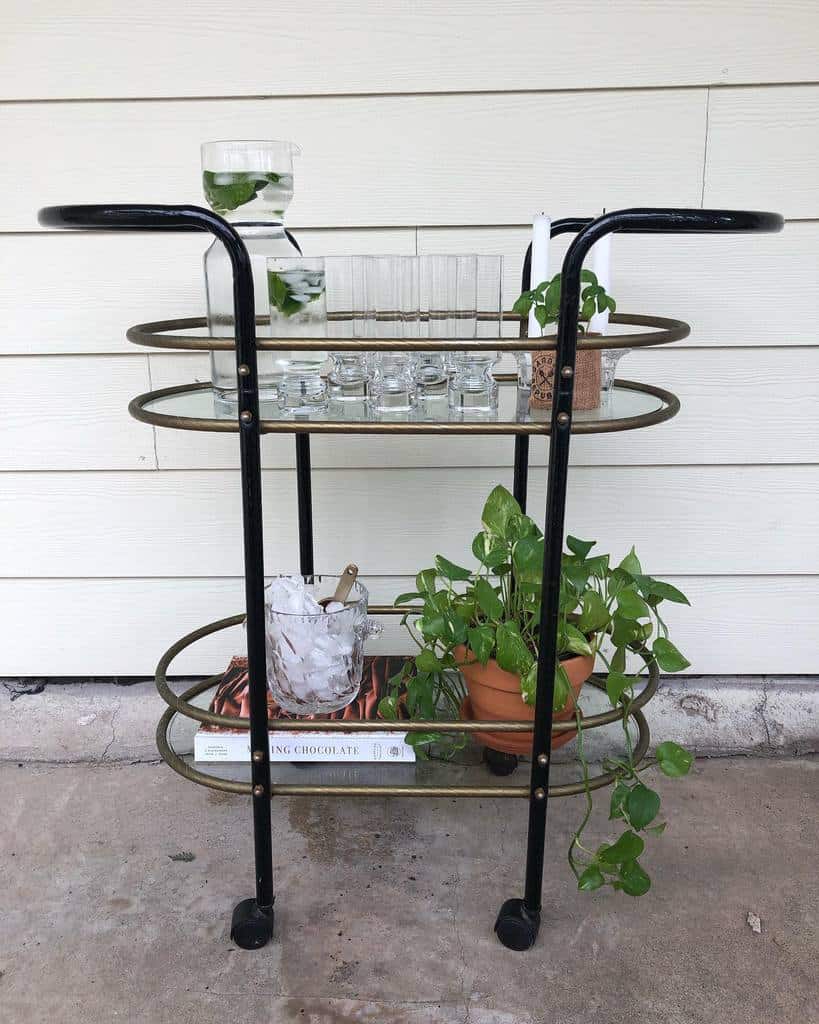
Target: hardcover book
point(213, 743)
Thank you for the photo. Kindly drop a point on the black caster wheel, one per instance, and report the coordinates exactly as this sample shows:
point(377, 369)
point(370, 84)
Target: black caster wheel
point(251, 926)
point(498, 762)
point(516, 927)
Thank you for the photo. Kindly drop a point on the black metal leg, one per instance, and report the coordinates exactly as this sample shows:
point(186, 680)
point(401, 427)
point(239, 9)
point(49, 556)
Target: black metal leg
point(252, 922)
point(520, 482)
point(518, 921)
point(305, 501)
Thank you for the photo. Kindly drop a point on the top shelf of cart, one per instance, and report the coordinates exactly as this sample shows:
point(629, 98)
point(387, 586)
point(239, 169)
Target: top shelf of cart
point(191, 334)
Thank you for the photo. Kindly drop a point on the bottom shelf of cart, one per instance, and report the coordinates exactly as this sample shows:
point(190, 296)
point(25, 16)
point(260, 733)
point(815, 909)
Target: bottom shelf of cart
point(464, 776)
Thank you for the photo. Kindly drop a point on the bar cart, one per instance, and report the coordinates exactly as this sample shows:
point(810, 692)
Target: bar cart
point(190, 407)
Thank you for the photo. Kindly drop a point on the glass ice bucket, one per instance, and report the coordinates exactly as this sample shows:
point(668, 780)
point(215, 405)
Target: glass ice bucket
point(315, 661)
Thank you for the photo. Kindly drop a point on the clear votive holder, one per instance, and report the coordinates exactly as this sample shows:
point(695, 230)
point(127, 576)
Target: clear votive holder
point(394, 384)
point(524, 362)
point(351, 371)
point(298, 309)
point(472, 387)
point(609, 358)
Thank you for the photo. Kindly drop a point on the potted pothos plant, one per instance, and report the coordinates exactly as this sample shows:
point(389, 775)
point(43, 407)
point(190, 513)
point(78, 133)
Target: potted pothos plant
point(477, 634)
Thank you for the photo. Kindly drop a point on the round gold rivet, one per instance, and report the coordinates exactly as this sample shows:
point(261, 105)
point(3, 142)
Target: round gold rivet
point(246, 417)
point(540, 793)
point(542, 760)
point(567, 371)
point(563, 418)
point(244, 370)
point(258, 790)
point(258, 756)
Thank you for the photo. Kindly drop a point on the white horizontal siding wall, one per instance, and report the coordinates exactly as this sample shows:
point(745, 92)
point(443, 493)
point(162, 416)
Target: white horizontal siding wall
point(428, 128)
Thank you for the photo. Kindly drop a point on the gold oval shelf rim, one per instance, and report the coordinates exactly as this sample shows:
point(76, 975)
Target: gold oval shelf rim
point(157, 334)
point(668, 409)
point(187, 771)
point(180, 704)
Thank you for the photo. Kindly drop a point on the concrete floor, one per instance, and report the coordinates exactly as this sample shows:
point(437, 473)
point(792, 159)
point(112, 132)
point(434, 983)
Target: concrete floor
point(385, 908)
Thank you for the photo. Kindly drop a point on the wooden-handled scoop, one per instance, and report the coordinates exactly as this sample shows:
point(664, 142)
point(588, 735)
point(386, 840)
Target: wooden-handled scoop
point(345, 585)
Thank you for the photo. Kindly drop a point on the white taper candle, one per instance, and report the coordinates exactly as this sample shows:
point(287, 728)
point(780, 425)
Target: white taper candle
point(601, 266)
point(541, 228)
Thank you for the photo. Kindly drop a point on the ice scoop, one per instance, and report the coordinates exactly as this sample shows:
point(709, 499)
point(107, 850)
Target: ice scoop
point(346, 579)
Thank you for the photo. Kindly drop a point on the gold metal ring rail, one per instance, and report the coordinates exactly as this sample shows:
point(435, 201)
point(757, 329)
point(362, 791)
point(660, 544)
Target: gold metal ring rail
point(163, 334)
point(187, 771)
point(138, 408)
point(180, 704)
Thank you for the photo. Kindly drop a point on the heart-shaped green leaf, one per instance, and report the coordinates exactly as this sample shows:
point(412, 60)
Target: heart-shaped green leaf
point(449, 570)
point(481, 641)
point(642, 806)
point(523, 304)
point(673, 759)
point(593, 614)
point(427, 661)
point(628, 847)
point(571, 639)
point(527, 559)
point(661, 589)
point(631, 564)
point(500, 505)
point(425, 581)
point(618, 797)
point(630, 605)
point(668, 657)
point(581, 548)
point(590, 879)
point(488, 600)
point(633, 879)
point(616, 685)
point(513, 654)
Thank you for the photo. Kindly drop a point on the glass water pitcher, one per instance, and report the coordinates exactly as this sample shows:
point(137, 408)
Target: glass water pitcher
point(250, 184)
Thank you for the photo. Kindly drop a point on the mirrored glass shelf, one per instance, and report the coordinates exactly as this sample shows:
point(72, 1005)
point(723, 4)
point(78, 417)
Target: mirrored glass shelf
point(628, 406)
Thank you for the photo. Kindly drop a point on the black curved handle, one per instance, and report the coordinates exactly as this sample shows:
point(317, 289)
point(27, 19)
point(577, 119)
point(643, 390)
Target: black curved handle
point(636, 221)
point(158, 217)
point(132, 217)
point(658, 220)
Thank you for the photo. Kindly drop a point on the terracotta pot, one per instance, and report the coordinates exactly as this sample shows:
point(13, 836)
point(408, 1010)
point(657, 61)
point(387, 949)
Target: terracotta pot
point(494, 696)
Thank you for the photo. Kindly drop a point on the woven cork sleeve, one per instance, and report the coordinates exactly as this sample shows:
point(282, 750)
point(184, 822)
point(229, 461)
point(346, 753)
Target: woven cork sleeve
point(586, 380)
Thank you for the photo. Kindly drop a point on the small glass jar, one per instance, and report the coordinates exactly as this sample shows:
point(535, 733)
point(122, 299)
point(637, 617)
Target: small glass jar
point(472, 386)
point(394, 382)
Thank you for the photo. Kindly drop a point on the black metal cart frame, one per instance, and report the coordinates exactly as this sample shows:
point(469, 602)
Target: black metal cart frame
point(519, 919)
